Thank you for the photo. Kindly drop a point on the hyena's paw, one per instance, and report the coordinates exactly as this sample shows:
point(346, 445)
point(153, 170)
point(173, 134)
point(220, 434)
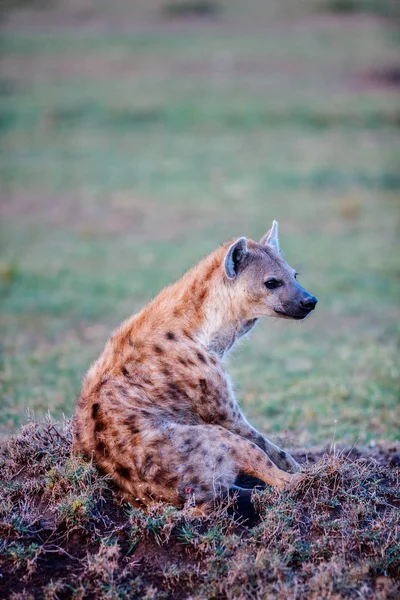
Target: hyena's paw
point(285, 461)
point(294, 466)
point(283, 480)
point(295, 481)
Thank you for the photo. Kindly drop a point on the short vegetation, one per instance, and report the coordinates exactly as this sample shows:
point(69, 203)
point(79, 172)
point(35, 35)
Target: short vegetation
point(65, 532)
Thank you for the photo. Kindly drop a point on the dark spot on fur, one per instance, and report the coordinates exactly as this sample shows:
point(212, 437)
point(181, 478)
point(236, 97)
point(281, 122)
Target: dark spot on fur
point(131, 423)
point(220, 458)
point(130, 343)
point(208, 274)
point(146, 380)
point(101, 448)
point(218, 400)
point(177, 391)
point(147, 463)
point(192, 289)
point(158, 349)
point(202, 294)
point(260, 442)
point(95, 410)
point(201, 357)
point(125, 372)
point(123, 472)
point(203, 386)
point(146, 413)
point(176, 312)
point(99, 426)
point(182, 361)
point(123, 391)
point(170, 335)
point(196, 446)
point(282, 454)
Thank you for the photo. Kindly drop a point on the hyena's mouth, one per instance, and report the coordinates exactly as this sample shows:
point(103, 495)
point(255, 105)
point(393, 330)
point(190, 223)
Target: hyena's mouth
point(296, 317)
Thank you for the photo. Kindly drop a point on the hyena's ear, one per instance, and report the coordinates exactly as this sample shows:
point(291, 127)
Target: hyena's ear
point(271, 237)
point(234, 257)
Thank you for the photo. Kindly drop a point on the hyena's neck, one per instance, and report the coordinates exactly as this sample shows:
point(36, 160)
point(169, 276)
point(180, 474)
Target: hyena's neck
point(202, 304)
point(224, 339)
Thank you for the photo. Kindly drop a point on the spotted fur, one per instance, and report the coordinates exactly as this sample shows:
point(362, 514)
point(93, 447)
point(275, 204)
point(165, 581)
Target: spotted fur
point(157, 411)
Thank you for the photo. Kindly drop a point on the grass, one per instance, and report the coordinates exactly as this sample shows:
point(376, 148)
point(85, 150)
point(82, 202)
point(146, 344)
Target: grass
point(133, 143)
point(65, 533)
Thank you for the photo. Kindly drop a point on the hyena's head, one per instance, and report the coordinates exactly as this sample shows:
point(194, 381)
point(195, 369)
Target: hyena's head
point(262, 283)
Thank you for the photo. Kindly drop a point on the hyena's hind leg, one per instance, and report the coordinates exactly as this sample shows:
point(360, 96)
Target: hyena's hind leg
point(210, 459)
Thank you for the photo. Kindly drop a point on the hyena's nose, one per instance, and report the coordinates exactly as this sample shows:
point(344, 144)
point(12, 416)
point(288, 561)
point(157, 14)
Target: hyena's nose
point(309, 302)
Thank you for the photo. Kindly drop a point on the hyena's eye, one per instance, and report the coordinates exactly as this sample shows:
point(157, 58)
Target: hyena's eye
point(273, 283)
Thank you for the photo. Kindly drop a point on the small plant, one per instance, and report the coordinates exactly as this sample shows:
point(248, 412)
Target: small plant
point(22, 556)
point(75, 512)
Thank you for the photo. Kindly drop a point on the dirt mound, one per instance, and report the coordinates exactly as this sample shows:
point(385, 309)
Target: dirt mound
point(65, 533)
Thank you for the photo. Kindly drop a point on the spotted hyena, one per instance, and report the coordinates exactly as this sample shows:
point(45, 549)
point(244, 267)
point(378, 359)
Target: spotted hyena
point(157, 411)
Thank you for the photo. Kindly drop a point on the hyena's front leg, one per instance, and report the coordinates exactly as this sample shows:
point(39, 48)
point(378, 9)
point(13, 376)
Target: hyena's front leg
point(237, 423)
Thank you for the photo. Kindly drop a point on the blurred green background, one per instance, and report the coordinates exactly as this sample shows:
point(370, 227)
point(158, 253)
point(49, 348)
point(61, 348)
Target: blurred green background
point(137, 136)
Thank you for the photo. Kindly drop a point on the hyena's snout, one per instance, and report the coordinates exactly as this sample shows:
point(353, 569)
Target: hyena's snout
point(298, 304)
point(305, 305)
point(308, 302)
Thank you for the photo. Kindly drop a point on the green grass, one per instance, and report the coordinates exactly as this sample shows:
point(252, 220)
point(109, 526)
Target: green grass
point(128, 155)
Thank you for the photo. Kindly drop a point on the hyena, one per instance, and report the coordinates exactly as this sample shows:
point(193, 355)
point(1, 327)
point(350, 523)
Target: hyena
point(157, 411)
